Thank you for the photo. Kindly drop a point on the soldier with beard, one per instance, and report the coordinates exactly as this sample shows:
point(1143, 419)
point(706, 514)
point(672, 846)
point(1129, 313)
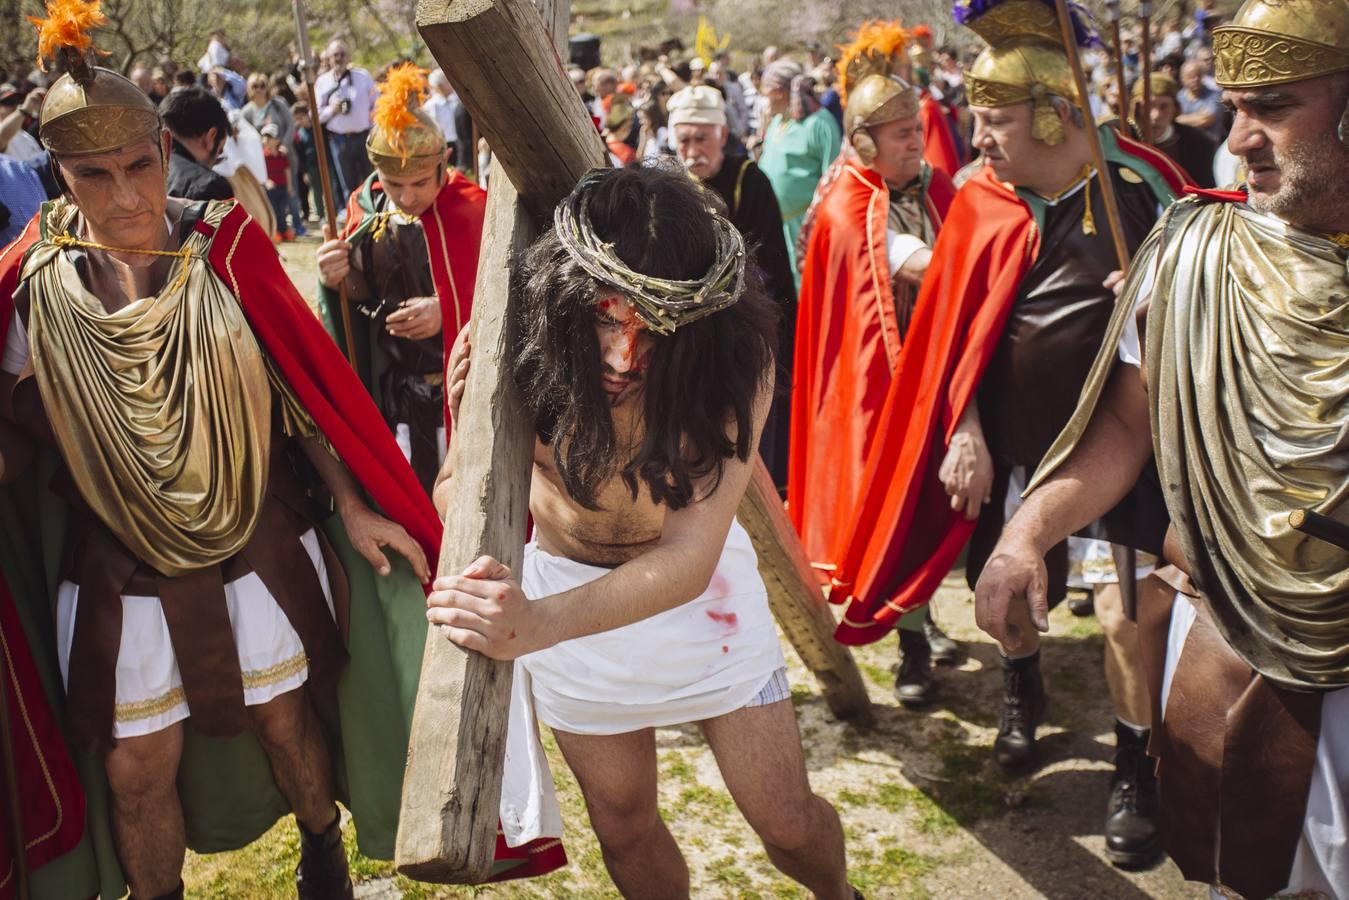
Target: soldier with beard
point(1003, 333)
point(1225, 363)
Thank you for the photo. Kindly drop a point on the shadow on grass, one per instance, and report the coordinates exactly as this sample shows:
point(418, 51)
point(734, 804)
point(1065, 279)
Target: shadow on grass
point(954, 784)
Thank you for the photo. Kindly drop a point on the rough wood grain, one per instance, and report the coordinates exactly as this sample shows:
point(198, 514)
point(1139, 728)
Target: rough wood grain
point(452, 786)
point(506, 69)
point(795, 598)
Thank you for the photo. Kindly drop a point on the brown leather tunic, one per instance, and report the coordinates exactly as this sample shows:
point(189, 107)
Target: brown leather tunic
point(1051, 338)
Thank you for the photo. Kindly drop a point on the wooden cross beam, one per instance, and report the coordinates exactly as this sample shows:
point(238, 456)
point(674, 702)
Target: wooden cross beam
point(507, 70)
point(505, 67)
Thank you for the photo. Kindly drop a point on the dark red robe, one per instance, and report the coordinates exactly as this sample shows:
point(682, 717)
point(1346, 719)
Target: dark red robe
point(51, 800)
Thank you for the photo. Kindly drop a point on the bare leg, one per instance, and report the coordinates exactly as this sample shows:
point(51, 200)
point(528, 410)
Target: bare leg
point(617, 774)
point(292, 737)
point(758, 750)
point(147, 816)
point(1123, 659)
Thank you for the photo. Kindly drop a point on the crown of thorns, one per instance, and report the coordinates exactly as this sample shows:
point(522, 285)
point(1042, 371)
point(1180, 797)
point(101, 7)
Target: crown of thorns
point(663, 304)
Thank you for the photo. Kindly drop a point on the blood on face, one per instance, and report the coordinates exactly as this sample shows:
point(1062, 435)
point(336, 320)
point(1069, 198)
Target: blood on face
point(616, 313)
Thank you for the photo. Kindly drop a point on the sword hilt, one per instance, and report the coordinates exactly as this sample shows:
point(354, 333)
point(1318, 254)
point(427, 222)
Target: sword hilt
point(1323, 528)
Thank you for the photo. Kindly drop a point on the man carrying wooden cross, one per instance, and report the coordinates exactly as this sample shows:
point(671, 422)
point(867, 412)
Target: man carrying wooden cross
point(646, 358)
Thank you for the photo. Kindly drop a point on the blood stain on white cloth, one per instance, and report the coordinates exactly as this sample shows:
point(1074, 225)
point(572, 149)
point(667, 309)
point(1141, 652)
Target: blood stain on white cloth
point(728, 620)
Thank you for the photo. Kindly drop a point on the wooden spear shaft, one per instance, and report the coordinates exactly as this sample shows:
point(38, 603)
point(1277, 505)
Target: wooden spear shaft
point(1145, 16)
point(1112, 213)
point(308, 65)
point(1121, 86)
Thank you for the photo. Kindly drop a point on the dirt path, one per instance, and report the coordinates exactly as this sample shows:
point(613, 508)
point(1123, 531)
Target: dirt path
point(926, 811)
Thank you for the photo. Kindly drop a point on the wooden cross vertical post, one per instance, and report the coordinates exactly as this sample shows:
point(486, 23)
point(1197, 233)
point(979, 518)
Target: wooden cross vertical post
point(508, 72)
point(504, 65)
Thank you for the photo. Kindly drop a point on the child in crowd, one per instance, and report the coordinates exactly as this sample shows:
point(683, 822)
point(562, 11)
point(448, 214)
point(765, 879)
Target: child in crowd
point(278, 180)
point(307, 161)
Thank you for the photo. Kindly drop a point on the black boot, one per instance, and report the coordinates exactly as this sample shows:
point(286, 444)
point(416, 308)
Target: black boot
point(1132, 838)
point(945, 652)
point(175, 894)
point(1082, 604)
point(913, 684)
point(322, 871)
point(1022, 711)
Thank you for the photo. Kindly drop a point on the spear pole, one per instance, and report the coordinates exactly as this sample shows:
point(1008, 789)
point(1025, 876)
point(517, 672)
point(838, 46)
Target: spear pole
point(309, 66)
point(1112, 212)
point(1145, 16)
point(1122, 98)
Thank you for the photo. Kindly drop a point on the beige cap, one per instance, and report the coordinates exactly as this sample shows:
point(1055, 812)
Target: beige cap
point(697, 105)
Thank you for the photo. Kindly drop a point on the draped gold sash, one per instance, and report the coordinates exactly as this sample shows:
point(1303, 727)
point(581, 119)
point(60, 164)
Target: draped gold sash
point(1248, 378)
point(162, 409)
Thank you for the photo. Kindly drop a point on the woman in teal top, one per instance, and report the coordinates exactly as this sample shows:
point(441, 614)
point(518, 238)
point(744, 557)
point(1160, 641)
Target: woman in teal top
point(798, 145)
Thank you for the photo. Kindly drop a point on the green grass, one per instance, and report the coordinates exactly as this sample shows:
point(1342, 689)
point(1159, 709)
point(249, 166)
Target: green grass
point(877, 675)
point(705, 798)
point(728, 873)
point(897, 868)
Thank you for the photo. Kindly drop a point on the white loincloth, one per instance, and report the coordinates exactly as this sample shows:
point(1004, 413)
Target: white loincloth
point(150, 694)
point(1322, 859)
point(703, 659)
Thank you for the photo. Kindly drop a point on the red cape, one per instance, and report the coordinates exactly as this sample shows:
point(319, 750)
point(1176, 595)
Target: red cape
point(986, 248)
point(905, 535)
point(939, 145)
point(453, 228)
point(245, 258)
point(847, 347)
point(51, 800)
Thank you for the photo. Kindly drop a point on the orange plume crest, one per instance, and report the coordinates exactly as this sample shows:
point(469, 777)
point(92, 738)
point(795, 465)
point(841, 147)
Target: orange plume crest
point(403, 84)
point(874, 48)
point(66, 27)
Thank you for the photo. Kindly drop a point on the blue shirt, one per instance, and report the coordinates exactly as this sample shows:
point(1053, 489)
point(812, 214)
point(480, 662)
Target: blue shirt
point(21, 192)
point(1208, 100)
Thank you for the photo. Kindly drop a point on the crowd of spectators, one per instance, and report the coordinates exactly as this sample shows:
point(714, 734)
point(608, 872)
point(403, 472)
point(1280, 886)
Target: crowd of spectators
point(782, 110)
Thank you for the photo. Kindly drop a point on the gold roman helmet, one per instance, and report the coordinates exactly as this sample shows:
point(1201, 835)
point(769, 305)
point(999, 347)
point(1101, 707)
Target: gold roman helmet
point(89, 109)
point(870, 85)
point(1025, 60)
point(920, 50)
point(1278, 41)
point(404, 141)
point(1163, 85)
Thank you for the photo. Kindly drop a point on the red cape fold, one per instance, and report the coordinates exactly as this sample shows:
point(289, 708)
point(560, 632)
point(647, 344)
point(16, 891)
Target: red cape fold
point(51, 799)
point(339, 404)
point(453, 227)
point(245, 259)
point(987, 245)
point(1218, 196)
point(939, 144)
point(1176, 178)
point(847, 347)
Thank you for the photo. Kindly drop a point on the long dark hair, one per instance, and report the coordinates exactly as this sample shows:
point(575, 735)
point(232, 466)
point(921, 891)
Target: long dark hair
point(701, 382)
